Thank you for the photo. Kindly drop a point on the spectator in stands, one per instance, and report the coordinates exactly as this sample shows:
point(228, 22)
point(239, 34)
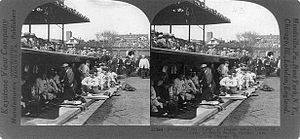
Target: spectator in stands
point(223, 52)
point(25, 41)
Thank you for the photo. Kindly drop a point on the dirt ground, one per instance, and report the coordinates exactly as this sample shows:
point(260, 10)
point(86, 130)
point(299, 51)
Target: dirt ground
point(262, 110)
point(131, 108)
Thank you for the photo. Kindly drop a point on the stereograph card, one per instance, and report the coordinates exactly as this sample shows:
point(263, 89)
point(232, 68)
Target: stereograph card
point(149, 68)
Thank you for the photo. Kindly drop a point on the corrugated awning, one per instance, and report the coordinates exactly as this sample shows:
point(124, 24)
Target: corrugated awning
point(55, 13)
point(190, 12)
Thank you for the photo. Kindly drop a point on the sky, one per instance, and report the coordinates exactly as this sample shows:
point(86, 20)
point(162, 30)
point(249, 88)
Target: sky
point(125, 18)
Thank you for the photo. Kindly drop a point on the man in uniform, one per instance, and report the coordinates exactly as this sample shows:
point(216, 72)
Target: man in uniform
point(144, 66)
point(229, 84)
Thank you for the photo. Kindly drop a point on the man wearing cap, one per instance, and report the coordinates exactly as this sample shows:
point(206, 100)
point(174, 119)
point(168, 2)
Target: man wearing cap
point(206, 82)
point(210, 50)
point(223, 53)
point(68, 82)
point(25, 41)
point(162, 41)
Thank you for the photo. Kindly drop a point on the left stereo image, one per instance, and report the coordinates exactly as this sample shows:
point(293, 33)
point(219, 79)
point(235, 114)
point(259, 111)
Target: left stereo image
point(85, 66)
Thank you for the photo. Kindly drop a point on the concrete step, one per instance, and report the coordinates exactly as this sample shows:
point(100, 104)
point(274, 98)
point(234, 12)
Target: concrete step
point(217, 119)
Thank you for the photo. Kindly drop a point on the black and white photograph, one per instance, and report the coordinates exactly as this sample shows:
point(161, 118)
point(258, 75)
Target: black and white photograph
point(215, 63)
point(149, 69)
point(85, 63)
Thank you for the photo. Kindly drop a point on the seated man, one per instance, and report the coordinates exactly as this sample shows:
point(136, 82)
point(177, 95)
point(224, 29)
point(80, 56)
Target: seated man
point(229, 84)
point(250, 78)
point(112, 78)
point(180, 88)
point(156, 106)
point(240, 77)
point(190, 88)
point(90, 84)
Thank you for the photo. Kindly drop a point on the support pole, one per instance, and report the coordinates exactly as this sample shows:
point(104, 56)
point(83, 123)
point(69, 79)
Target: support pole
point(151, 40)
point(204, 29)
point(170, 29)
point(189, 33)
point(203, 35)
point(48, 32)
point(29, 28)
point(63, 35)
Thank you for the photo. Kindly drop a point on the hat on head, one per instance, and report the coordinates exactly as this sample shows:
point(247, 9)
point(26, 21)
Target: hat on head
point(231, 72)
point(32, 35)
point(26, 34)
point(65, 65)
point(203, 66)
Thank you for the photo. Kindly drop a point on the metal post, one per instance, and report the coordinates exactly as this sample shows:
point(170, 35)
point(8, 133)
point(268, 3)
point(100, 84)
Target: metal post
point(189, 33)
point(29, 28)
point(204, 30)
point(63, 35)
point(150, 36)
point(170, 29)
point(48, 32)
point(203, 35)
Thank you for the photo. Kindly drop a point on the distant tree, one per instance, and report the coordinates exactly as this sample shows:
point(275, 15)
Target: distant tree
point(250, 37)
point(108, 38)
point(90, 43)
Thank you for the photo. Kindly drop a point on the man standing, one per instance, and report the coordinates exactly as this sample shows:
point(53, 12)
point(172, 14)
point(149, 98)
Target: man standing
point(206, 82)
point(268, 63)
point(68, 82)
point(129, 64)
point(144, 66)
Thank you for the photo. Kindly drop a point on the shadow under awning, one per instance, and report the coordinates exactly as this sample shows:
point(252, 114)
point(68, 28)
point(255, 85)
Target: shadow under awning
point(190, 12)
point(55, 13)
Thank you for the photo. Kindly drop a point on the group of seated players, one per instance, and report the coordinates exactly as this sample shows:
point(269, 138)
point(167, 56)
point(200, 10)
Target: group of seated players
point(172, 94)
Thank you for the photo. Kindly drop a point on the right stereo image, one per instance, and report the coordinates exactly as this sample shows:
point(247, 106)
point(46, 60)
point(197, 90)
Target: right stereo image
point(215, 63)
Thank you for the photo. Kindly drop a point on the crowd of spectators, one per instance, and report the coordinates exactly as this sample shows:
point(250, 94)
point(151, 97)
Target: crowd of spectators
point(169, 41)
point(29, 40)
